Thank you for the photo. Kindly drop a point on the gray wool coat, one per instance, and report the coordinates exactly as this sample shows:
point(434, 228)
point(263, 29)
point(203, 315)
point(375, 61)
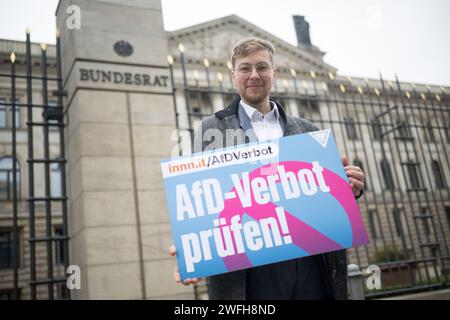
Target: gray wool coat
point(231, 126)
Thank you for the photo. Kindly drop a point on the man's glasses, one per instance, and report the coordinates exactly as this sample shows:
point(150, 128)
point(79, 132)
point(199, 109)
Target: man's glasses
point(261, 68)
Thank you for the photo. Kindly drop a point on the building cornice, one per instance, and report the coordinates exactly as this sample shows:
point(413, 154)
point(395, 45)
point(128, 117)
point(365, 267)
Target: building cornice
point(19, 48)
point(316, 61)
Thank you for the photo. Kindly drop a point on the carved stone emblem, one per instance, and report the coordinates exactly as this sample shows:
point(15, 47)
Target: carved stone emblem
point(123, 48)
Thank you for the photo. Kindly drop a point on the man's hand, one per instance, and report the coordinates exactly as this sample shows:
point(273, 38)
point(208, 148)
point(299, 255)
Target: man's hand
point(355, 176)
point(176, 274)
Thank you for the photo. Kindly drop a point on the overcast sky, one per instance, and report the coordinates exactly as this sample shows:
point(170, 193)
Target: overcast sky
point(361, 37)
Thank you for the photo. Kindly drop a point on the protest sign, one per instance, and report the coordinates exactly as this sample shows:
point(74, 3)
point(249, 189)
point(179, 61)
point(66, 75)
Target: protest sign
point(260, 203)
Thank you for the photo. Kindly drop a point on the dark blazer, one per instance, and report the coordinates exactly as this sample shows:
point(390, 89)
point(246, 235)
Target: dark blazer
point(229, 127)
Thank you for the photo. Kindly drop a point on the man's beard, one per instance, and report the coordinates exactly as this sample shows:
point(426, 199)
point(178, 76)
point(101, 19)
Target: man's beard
point(255, 99)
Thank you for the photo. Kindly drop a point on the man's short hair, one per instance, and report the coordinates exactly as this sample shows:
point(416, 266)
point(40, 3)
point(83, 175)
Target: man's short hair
point(247, 46)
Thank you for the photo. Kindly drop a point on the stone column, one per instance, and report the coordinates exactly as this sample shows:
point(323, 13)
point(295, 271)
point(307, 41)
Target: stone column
point(120, 119)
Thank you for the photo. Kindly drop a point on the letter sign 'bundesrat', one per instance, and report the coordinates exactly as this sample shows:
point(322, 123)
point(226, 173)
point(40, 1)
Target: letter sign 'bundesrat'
point(122, 77)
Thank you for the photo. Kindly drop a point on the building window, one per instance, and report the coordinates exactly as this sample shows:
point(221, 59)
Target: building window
point(350, 128)
point(413, 174)
point(447, 215)
point(447, 131)
point(6, 113)
point(399, 222)
point(439, 178)
point(6, 178)
point(387, 175)
point(425, 215)
point(308, 109)
point(376, 129)
point(429, 133)
point(59, 246)
point(404, 131)
point(433, 251)
point(55, 180)
point(7, 254)
point(373, 219)
point(201, 104)
point(53, 122)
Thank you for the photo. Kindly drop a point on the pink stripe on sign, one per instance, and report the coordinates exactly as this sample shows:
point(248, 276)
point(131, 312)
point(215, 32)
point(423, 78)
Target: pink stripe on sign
point(303, 235)
point(341, 190)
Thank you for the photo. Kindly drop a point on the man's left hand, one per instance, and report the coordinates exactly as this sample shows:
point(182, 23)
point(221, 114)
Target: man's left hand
point(355, 176)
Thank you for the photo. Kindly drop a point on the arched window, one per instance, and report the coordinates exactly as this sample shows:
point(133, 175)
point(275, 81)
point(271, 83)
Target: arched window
point(6, 178)
point(439, 177)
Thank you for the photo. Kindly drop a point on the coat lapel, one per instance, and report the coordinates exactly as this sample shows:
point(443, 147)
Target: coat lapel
point(235, 118)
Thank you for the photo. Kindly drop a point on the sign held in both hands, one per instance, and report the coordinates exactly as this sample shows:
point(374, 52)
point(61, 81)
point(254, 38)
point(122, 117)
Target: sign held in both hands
point(260, 203)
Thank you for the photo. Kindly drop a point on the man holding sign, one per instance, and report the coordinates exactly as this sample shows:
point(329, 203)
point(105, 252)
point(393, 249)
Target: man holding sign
point(254, 117)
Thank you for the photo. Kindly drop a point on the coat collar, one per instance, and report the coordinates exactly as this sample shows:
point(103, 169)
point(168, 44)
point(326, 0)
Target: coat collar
point(234, 105)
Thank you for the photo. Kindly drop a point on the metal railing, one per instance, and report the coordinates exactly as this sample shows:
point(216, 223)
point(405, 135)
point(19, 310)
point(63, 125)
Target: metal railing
point(40, 274)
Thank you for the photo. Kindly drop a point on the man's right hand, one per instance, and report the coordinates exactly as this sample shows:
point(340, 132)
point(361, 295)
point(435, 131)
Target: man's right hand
point(176, 274)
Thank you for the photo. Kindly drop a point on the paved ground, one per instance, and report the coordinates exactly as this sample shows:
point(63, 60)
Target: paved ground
point(429, 295)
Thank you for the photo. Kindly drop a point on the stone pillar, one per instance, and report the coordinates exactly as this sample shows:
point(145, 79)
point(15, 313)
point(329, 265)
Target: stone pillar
point(120, 119)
